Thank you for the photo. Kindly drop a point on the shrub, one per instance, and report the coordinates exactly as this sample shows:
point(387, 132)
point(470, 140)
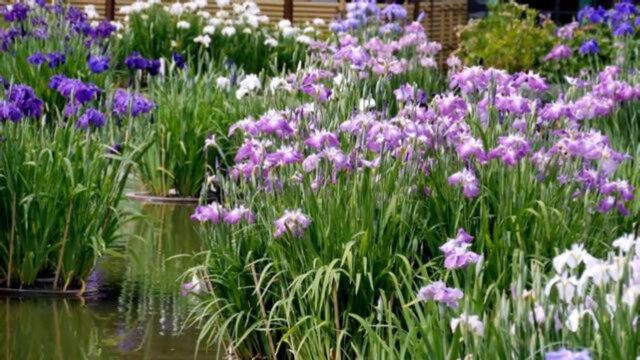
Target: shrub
point(510, 38)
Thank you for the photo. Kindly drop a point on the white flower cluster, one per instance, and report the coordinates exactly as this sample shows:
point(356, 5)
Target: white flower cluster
point(91, 12)
point(229, 20)
point(243, 18)
point(249, 84)
point(280, 83)
point(581, 280)
point(288, 30)
point(138, 6)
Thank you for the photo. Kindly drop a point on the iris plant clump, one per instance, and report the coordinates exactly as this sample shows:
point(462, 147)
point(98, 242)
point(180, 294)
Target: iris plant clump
point(60, 184)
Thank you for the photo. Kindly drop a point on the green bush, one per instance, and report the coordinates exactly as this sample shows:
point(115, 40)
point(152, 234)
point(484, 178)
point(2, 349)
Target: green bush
point(510, 38)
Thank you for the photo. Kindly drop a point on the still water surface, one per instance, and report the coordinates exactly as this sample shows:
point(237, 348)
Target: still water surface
point(139, 314)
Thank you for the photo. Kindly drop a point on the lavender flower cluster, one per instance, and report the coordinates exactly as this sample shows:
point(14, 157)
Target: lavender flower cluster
point(550, 136)
point(388, 55)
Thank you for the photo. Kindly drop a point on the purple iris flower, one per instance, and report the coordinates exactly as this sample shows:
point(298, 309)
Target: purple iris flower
point(511, 149)
point(7, 37)
point(356, 55)
point(75, 15)
point(15, 12)
point(179, 60)
point(452, 106)
point(236, 215)
point(55, 80)
point(469, 146)
point(623, 29)
point(589, 47)
point(74, 90)
point(592, 15)
point(530, 81)
point(213, 213)
point(104, 29)
point(252, 150)
point(468, 180)
point(115, 149)
point(284, 156)
point(321, 139)
point(311, 162)
point(78, 20)
point(625, 8)
point(515, 104)
point(555, 111)
point(91, 117)
point(26, 100)
point(338, 26)
point(558, 53)
point(390, 28)
point(616, 194)
point(394, 12)
point(383, 135)
point(456, 251)
point(622, 187)
point(438, 291)
point(8, 111)
point(136, 62)
point(55, 59)
point(153, 66)
point(460, 257)
point(98, 63)
point(564, 354)
point(125, 103)
point(41, 33)
point(336, 157)
point(293, 221)
point(37, 58)
point(404, 93)
point(317, 91)
point(274, 122)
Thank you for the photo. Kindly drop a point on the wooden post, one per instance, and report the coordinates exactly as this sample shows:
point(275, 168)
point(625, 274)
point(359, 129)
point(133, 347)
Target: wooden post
point(110, 9)
point(288, 10)
point(416, 9)
point(342, 5)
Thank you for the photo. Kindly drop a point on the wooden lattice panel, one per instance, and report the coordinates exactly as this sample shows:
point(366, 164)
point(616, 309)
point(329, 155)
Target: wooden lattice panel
point(442, 18)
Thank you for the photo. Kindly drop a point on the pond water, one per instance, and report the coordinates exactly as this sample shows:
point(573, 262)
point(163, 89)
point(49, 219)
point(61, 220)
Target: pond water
point(139, 313)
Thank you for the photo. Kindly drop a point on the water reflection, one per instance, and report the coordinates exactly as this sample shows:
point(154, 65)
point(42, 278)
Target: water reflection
point(140, 313)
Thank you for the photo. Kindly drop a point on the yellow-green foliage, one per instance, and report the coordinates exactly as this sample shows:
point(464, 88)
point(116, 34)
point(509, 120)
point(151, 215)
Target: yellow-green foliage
point(512, 37)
